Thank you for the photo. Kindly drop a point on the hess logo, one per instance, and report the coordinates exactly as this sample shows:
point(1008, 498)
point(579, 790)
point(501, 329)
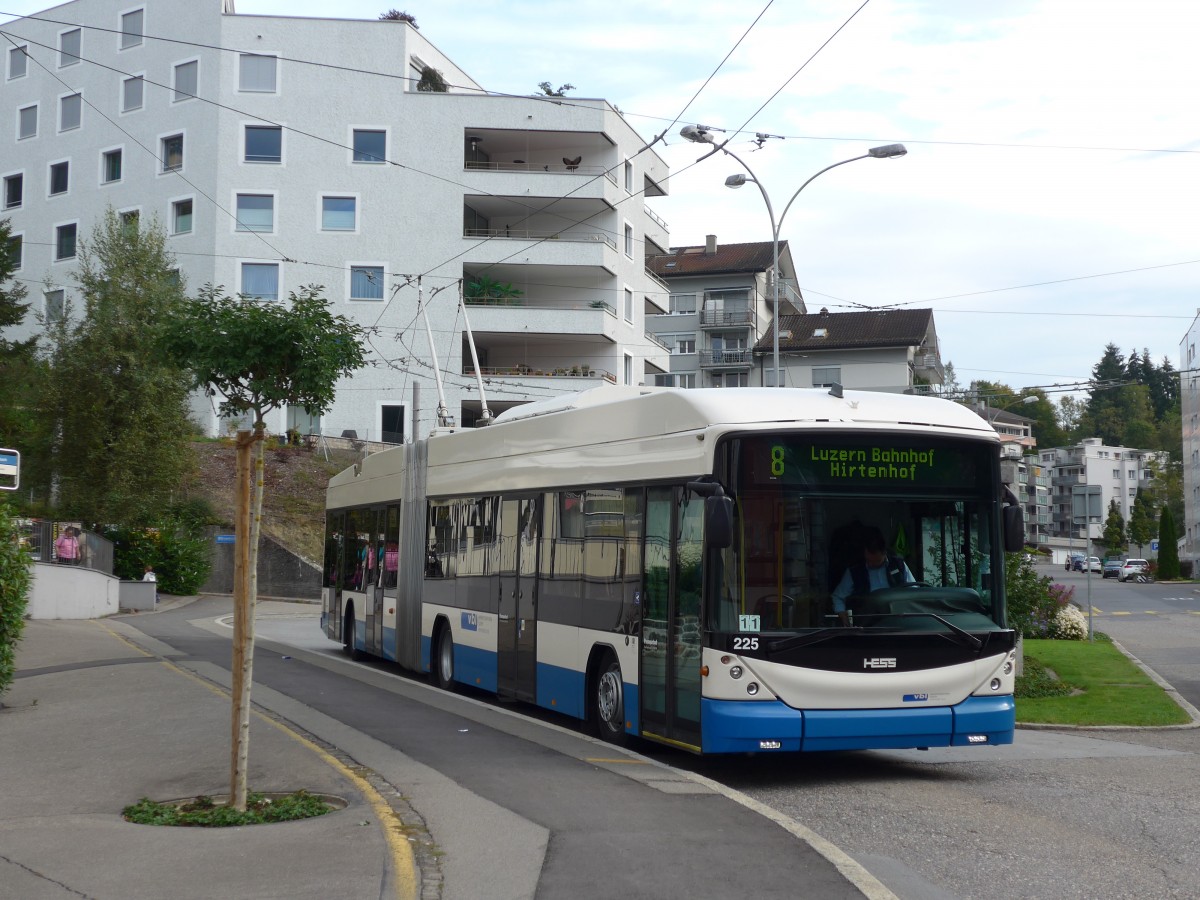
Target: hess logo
point(879, 662)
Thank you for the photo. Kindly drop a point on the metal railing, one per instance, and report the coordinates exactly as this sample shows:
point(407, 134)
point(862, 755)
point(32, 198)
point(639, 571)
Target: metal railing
point(529, 234)
point(655, 339)
point(95, 552)
point(737, 317)
point(726, 358)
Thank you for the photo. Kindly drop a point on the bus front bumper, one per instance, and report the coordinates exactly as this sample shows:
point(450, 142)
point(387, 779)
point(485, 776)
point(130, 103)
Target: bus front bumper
point(731, 726)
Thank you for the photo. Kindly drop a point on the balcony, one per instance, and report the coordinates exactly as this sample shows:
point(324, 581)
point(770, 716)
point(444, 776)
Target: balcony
point(533, 234)
point(726, 359)
point(576, 374)
point(582, 153)
point(726, 318)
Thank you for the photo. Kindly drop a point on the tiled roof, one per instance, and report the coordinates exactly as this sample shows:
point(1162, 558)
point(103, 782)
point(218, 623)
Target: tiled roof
point(755, 256)
point(836, 331)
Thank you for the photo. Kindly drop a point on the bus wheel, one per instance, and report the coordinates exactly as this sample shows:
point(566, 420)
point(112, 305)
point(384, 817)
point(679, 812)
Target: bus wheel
point(608, 701)
point(348, 631)
point(443, 660)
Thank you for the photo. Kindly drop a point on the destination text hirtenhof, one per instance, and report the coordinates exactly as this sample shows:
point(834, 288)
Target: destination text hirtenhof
point(877, 462)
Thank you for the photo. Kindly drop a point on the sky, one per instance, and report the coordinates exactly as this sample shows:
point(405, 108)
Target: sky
point(1048, 203)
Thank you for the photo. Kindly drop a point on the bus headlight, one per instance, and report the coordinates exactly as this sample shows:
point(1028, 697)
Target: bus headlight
point(735, 672)
point(752, 688)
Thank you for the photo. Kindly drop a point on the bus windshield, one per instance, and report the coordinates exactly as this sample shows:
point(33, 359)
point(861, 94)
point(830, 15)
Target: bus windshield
point(808, 508)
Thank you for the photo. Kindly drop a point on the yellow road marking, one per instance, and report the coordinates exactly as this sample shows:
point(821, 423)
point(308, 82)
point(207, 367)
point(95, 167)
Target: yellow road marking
point(404, 864)
point(627, 762)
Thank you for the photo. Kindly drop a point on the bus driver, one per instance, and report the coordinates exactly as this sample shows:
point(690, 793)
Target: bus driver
point(879, 569)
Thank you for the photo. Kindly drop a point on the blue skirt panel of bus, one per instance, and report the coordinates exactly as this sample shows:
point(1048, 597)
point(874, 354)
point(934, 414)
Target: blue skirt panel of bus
point(389, 643)
point(735, 726)
point(472, 666)
point(561, 689)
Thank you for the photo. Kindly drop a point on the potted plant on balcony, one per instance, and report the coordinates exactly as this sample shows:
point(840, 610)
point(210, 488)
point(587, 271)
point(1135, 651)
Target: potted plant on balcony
point(486, 291)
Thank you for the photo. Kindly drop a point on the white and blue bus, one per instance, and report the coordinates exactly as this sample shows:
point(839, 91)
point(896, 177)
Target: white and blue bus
point(661, 563)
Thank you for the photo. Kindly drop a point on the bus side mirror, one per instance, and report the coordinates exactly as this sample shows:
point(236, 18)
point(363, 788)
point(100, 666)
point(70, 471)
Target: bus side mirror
point(1014, 523)
point(718, 522)
point(718, 514)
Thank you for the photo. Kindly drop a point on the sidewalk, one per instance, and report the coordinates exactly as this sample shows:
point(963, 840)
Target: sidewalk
point(91, 724)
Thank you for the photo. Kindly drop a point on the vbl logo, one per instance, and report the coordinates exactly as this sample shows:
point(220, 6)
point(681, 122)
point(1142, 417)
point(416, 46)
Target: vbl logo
point(470, 621)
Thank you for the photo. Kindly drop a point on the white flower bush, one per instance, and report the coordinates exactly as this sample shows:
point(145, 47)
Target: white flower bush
point(1070, 624)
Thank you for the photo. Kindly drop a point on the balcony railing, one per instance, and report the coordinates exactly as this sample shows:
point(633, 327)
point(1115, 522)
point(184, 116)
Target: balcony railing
point(529, 234)
point(526, 303)
point(555, 168)
point(718, 317)
point(526, 371)
point(726, 359)
point(655, 339)
point(657, 218)
point(658, 279)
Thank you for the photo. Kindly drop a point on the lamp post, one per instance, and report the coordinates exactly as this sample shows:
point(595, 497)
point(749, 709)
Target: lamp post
point(699, 134)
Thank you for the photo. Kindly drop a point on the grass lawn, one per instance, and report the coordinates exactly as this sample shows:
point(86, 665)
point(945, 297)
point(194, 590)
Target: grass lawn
point(1108, 688)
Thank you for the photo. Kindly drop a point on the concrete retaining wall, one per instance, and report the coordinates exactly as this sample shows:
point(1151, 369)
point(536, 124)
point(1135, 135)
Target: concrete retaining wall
point(281, 573)
point(72, 592)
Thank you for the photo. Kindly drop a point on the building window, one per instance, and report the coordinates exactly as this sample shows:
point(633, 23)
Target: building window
point(27, 122)
point(172, 153)
point(824, 376)
point(731, 379)
point(17, 62)
point(110, 166)
point(682, 304)
point(16, 246)
point(339, 213)
point(255, 212)
point(181, 216)
point(366, 282)
point(60, 178)
point(264, 144)
point(629, 240)
point(56, 302)
point(70, 110)
point(69, 43)
point(64, 242)
point(187, 81)
point(131, 93)
point(370, 146)
point(256, 73)
point(392, 422)
point(1116, 473)
point(628, 305)
point(131, 28)
point(14, 190)
point(628, 176)
point(679, 343)
point(1133, 473)
point(260, 281)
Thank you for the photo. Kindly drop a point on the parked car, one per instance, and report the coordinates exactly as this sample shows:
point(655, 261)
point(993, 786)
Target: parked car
point(1074, 562)
point(1093, 564)
point(1112, 567)
point(1131, 568)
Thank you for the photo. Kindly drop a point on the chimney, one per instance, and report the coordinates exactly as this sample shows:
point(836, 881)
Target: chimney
point(710, 245)
point(824, 311)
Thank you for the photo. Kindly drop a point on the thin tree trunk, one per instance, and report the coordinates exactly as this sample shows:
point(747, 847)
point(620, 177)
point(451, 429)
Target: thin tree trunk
point(243, 627)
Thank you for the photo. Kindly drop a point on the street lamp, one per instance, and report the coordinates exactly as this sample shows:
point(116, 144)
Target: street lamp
point(700, 134)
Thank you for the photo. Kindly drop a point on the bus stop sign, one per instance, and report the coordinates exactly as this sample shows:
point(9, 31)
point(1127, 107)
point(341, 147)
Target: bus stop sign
point(10, 469)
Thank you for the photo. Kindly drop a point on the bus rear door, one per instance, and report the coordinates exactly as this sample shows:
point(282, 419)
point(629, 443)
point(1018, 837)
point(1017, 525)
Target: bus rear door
point(516, 637)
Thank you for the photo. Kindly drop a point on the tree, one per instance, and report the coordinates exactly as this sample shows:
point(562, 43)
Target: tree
point(1168, 552)
point(119, 407)
point(560, 91)
point(258, 357)
point(1141, 522)
point(1070, 411)
point(15, 566)
point(432, 81)
point(1114, 529)
point(17, 362)
point(395, 15)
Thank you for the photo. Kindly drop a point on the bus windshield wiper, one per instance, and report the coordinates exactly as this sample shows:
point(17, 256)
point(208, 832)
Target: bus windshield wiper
point(805, 640)
point(959, 635)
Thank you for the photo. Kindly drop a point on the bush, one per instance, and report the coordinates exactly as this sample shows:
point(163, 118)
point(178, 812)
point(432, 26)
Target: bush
point(1070, 624)
point(177, 549)
point(1034, 600)
point(15, 566)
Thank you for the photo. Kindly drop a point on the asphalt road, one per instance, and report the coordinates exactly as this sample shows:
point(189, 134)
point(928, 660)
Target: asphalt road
point(1059, 814)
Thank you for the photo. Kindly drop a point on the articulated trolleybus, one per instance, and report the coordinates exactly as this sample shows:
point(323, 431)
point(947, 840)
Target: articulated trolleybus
point(661, 563)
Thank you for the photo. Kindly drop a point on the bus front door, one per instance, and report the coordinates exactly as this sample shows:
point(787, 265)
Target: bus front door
point(671, 625)
point(516, 637)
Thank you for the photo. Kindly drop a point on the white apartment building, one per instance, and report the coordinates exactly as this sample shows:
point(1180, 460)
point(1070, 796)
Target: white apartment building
point(1120, 472)
point(273, 161)
point(1189, 414)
